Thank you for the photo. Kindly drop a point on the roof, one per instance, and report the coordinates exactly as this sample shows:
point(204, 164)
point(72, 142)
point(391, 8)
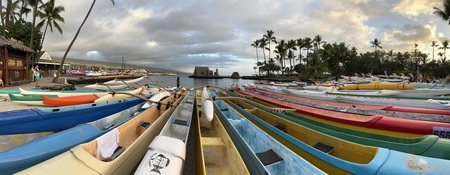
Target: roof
point(14, 45)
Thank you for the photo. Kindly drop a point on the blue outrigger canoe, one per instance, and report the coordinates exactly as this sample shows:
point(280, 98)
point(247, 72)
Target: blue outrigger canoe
point(32, 153)
point(261, 153)
point(60, 118)
point(384, 161)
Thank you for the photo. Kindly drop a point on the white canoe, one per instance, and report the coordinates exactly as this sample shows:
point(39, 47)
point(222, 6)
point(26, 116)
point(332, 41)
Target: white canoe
point(372, 92)
point(155, 98)
point(59, 93)
point(105, 87)
point(167, 152)
point(207, 105)
point(119, 95)
point(134, 137)
point(116, 81)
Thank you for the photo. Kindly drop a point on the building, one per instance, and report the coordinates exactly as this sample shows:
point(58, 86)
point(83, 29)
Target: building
point(48, 66)
point(14, 61)
point(204, 72)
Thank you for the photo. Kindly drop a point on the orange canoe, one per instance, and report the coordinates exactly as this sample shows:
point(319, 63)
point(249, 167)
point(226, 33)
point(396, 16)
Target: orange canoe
point(70, 100)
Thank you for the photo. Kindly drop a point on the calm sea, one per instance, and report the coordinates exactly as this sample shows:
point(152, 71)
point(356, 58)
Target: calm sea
point(187, 82)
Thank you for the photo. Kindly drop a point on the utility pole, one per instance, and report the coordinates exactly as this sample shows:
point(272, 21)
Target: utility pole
point(123, 72)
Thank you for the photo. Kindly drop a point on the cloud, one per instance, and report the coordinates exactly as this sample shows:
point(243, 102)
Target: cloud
point(180, 35)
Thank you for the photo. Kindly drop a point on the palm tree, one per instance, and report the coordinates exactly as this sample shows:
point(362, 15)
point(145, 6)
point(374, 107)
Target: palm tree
point(443, 14)
point(300, 45)
point(291, 46)
point(24, 8)
point(376, 44)
point(445, 46)
point(7, 16)
point(263, 44)
point(307, 45)
point(50, 16)
point(270, 38)
point(317, 41)
point(281, 50)
point(433, 44)
point(73, 41)
point(256, 45)
point(35, 5)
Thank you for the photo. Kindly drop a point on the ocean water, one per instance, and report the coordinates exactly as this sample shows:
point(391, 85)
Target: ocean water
point(187, 82)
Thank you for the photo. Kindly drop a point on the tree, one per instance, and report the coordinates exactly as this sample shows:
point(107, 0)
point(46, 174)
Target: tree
point(443, 14)
point(50, 15)
point(263, 44)
point(256, 45)
point(33, 26)
point(376, 44)
point(307, 45)
point(291, 46)
point(434, 44)
point(445, 46)
point(300, 45)
point(73, 41)
point(317, 41)
point(281, 50)
point(270, 38)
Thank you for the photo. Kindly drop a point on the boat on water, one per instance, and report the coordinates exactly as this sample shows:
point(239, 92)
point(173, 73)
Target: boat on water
point(216, 152)
point(337, 156)
point(69, 100)
point(32, 153)
point(106, 87)
point(62, 93)
point(428, 145)
point(264, 153)
point(33, 100)
point(120, 81)
point(380, 122)
point(116, 152)
point(59, 118)
point(170, 145)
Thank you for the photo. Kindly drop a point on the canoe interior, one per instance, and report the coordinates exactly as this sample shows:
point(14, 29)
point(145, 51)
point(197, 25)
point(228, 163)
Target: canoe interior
point(351, 152)
point(216, 153)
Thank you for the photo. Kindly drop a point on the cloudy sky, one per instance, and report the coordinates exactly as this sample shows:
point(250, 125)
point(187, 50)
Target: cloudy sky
point(180, 35)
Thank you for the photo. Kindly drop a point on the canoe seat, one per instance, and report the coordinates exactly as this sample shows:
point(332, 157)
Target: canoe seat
point(281, 127)
point(212, 141)
point(269, 157)
point(180, 122)
point(119, 150)
point(144, 124)
point(324, 148)
point(224, 109)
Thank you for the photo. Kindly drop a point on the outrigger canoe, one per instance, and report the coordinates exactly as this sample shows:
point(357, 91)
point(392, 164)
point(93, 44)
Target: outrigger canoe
point(62, 93)
point(170, 145)
point(32, 153)
point(59, 118)
point(260, 151)
point(376, 122)
point(34, 100)
point(69, 100)
point(116, 152)
point(119, 81)
point(378, 86)
point(106, 87)
point(216, 151)
point(337, 156)
point(120, 95)
point(429, 145)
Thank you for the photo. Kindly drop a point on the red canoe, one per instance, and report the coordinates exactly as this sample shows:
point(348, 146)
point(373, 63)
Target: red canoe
point(375, 122)
point(70, 100)
point(416, 110)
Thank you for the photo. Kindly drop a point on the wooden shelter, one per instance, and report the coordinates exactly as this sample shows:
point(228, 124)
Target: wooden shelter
point(13, 61)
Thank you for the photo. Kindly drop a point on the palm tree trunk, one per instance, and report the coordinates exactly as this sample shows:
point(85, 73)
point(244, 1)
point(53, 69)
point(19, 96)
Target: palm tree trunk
point(8, 14)
point(71, 43)
point(43, 37)
point(32, 29)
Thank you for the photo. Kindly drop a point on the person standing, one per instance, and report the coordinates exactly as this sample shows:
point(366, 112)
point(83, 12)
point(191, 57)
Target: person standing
point(178, 82)
point(37, 75)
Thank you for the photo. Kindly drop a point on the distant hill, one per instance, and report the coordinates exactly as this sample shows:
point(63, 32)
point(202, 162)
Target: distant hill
point(113, 65)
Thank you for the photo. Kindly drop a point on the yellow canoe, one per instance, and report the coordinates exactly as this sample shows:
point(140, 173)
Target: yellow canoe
point(216, 152)
point(378, 86)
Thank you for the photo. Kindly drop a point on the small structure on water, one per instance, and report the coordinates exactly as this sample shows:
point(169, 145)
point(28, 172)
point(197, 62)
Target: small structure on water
point(204, 72)
point(235, 75)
